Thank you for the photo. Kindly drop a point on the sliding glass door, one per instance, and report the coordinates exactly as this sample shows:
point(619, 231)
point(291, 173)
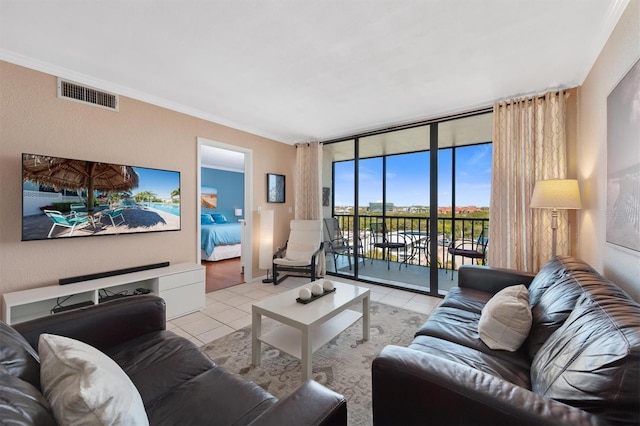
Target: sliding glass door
point(343, 246)
point(402, 198)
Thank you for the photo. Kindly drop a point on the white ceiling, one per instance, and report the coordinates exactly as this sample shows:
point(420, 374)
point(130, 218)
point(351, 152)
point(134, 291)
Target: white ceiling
point(296, 70)
point(219, 158)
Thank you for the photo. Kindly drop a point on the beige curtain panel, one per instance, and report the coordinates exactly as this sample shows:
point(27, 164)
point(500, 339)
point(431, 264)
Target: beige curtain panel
point(529, 144)
point(308, 185)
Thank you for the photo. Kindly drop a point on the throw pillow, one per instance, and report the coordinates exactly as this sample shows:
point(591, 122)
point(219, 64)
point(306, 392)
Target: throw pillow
point(84, 386)
point(506, 319)
point(206, 219)
point(219, 218)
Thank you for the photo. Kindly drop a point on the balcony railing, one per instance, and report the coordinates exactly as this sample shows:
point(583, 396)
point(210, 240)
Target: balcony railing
point(414, 232)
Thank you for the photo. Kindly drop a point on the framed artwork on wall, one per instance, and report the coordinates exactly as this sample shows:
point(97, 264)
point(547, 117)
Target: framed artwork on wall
point(275, 188)
point(209, 197)
point(623, 161)
point(326, 196)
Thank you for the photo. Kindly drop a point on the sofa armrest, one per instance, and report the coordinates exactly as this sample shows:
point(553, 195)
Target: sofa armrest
point(413, 388)
point(490, 279)
point(310, 404)
point(101, 326)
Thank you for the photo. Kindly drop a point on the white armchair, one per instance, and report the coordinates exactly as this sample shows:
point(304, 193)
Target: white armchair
point(302, 251)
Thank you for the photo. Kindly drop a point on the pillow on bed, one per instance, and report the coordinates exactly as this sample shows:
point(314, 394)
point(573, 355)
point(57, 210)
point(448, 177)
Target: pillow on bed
point(206, 219)
point(219, 218)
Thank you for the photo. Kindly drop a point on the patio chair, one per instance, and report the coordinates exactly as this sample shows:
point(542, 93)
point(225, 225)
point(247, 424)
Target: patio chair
point(114, 214)
point(424, 245)
point(301, 252)
point(476, 250)
point(81, 210)
point(72, 221)
point(381, 240)
point(335, 243)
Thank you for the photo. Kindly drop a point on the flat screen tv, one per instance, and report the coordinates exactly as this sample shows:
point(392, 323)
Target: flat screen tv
point(68, 198)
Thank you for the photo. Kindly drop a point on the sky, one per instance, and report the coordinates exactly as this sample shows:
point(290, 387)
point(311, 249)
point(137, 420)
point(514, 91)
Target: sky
point(408, 179)
point(160, 182)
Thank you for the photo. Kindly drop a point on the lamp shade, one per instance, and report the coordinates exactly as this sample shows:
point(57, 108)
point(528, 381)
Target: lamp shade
point(556, 194)
point(265, 253)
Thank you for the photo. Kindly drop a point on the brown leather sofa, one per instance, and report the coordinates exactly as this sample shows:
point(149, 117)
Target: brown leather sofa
point(579, 365)
point(179, 385)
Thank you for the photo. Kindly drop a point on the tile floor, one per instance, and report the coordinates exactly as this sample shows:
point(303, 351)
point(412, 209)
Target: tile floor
point(230, 309)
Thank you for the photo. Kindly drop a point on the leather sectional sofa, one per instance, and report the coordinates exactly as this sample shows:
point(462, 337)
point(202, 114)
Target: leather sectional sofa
point(179, 385)
point(580, 363)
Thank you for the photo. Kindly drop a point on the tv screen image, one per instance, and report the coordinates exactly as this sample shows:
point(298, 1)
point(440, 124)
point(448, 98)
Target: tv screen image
point(63, 197)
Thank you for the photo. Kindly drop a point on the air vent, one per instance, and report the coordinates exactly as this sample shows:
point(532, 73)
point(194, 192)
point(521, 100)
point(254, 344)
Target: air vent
point(87, 95)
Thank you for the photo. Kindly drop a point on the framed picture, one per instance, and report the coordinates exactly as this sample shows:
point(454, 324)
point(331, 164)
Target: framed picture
point(275, 188)
point(209, 197)
point(623, 162)
point(326, 196)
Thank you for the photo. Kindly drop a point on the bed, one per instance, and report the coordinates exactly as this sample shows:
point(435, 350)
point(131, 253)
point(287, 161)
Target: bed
point(221, 241)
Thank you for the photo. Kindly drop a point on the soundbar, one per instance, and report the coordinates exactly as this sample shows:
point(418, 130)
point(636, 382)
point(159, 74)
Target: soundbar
point(70, 280)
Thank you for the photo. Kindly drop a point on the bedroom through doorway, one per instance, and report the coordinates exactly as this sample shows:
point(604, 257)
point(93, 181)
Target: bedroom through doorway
point(222, 274)
point(222, 208)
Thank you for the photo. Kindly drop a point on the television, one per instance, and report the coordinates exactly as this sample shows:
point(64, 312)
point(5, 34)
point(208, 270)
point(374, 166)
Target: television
point(68, 198)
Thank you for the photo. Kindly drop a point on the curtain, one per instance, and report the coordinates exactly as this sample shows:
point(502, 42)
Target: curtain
point(308, 185)
point(529, 144)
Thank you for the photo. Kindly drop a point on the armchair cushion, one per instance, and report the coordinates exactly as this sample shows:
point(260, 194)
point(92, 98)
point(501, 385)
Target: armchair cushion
point(292, 262)
point(302, 251)
point(304, 239)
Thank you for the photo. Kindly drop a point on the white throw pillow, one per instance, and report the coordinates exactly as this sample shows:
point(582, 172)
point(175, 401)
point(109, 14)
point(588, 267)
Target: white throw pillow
point(506, 319)
point(84, 386)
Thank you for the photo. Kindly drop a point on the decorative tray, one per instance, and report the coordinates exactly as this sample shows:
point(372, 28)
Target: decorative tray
point(313, 297)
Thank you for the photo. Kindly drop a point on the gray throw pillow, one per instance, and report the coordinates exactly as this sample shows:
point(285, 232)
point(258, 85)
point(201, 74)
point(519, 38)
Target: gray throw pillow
point(84, 386)
point(506, 319)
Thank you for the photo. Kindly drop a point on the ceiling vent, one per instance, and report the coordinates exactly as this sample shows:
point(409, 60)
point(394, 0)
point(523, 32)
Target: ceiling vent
point(87, 95)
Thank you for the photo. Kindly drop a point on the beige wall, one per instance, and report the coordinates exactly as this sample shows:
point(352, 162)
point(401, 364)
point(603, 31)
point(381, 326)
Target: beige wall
point(619, 54)
point(34, 120)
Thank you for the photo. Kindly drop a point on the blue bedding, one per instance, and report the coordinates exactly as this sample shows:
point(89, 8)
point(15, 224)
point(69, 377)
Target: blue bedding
point(219, 234)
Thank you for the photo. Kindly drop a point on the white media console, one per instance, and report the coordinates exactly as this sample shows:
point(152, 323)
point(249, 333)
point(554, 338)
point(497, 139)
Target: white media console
point(182, 286)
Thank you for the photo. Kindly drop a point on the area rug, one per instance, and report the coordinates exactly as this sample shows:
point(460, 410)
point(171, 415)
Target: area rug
point(343, 364)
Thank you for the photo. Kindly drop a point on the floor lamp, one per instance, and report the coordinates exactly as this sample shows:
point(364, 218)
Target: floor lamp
point(265, 254)
point(556, 194)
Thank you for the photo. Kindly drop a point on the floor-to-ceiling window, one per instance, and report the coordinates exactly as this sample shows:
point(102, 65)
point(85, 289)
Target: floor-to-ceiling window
point(401, 200)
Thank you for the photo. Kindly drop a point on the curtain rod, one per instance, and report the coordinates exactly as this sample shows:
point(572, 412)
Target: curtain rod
point(305, 143)
point(528, 98)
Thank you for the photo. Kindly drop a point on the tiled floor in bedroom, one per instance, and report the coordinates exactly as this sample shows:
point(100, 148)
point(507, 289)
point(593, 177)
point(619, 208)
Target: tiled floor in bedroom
point(230, 309)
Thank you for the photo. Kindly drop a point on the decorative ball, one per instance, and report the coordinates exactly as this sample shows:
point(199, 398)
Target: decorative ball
point(327, 285)
point(317, 290)
point(305, 294)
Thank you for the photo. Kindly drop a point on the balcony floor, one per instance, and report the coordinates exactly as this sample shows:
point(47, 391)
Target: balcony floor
point(412, 277)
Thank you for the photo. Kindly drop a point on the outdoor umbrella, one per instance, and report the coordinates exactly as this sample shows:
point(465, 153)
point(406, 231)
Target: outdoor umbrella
point(69, 174)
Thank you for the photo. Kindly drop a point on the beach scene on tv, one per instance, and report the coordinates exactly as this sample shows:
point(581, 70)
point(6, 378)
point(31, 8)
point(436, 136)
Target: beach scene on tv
point(64, 198)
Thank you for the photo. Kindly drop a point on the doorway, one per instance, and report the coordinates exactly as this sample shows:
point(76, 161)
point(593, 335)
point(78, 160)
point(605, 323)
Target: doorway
point(224, 177)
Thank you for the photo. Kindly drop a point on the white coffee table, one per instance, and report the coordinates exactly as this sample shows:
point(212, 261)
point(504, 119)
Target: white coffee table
point(305, 328)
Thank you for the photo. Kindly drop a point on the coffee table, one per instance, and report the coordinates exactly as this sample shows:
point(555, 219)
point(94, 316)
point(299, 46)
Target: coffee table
point(306, 328)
